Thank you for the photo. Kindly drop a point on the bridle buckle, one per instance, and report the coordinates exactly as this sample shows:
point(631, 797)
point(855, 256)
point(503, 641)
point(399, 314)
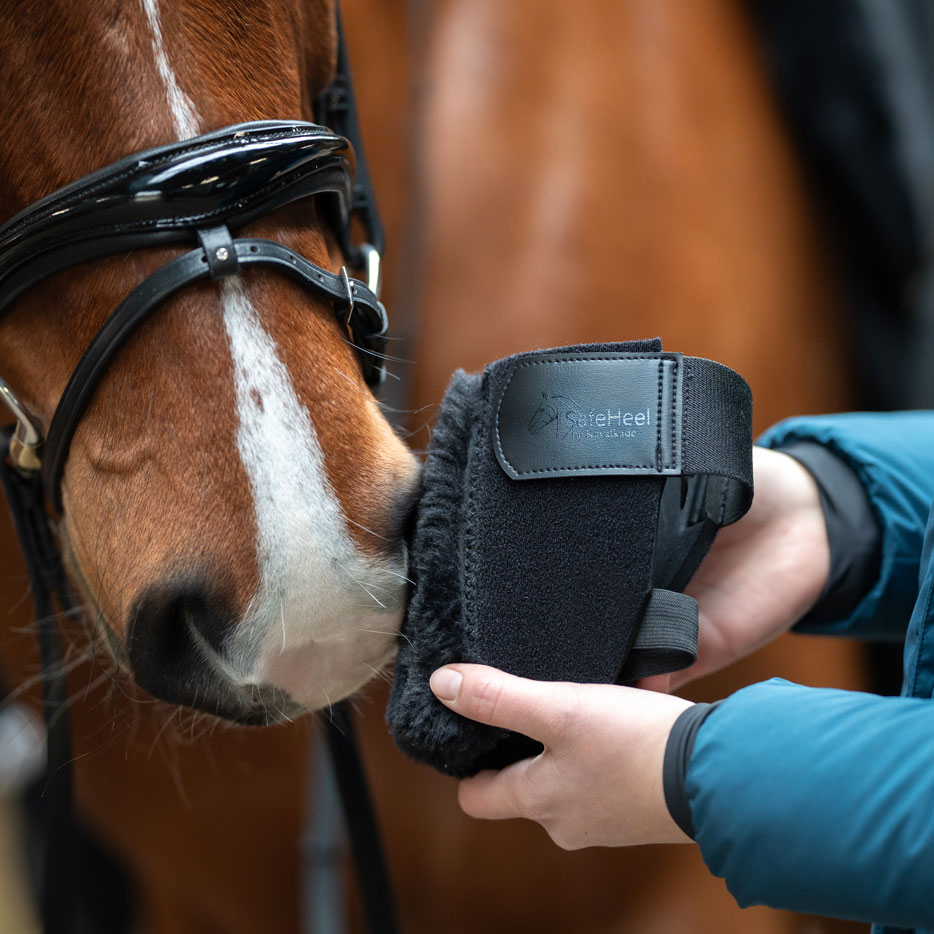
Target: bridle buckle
point(26, 441)
point(374, 272)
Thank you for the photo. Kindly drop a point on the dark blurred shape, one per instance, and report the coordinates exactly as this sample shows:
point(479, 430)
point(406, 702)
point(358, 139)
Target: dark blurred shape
point(856, 82)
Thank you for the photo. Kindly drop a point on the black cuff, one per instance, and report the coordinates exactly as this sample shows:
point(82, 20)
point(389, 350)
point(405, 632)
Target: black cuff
point(675, 767)
point(852, 531)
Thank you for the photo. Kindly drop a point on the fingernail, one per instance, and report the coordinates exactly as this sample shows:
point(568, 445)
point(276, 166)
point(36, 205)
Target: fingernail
point(445, 683)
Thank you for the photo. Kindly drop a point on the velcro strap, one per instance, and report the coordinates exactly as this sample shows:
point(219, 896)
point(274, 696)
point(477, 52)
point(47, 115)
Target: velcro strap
point(585, 414)
point(667, 637)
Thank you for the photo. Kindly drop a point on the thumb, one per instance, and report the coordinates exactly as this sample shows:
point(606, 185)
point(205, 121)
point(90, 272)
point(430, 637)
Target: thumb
point(538, 709)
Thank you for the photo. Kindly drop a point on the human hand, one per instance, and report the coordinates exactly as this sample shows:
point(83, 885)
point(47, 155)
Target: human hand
point(598, 781)
point(763, 573)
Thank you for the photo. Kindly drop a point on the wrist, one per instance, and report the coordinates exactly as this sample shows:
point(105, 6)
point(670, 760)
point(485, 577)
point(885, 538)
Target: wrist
point(793, 506)
point(664, 827)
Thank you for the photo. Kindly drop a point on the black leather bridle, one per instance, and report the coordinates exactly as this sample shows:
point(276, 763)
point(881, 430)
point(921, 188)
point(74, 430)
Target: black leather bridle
point(200, 192)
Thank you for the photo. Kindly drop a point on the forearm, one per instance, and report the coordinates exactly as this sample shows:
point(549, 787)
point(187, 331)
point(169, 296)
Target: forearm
point(819, 801)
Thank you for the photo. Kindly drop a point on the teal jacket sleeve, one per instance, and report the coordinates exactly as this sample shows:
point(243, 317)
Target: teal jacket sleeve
point(820, 801)
point(893, 455)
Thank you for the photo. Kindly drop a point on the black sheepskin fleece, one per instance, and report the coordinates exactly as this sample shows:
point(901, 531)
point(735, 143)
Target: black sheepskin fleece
point(546, 579)
point(435, 628)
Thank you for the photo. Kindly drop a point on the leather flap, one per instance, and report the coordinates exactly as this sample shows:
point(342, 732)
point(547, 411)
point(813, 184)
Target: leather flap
point(590, 414)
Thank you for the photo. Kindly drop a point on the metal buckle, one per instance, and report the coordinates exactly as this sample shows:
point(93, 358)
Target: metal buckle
point(348, 289)
point(27, 439)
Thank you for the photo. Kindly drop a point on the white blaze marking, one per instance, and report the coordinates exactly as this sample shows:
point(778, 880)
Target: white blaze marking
point(305, 629)
point(184, 114)
point(324, 618)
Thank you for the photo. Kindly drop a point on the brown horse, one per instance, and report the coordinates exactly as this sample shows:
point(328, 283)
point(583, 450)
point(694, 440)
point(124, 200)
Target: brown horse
point(233, 497)
point(233, 442)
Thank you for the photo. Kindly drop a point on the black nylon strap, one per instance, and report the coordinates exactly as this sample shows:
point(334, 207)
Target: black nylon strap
point(368, 326)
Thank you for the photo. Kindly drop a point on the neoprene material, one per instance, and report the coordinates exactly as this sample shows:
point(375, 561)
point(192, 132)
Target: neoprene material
point(568, 495)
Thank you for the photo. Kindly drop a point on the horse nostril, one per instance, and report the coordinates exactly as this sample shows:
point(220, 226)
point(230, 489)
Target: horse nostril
point(167, 639)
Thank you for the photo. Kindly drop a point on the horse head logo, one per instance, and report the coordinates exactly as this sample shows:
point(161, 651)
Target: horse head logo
point(552, 410)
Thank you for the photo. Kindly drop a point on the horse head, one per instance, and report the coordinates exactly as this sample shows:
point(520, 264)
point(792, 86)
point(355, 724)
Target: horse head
point(233, 498)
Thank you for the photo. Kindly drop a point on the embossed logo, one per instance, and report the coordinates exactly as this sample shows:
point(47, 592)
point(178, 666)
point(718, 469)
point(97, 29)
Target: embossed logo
point(552, 410)
point(570, 421)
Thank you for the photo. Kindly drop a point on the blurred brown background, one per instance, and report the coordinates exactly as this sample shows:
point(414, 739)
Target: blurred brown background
point(552, 172)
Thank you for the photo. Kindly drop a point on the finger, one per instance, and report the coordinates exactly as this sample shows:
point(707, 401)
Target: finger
point(496, 795)
point(540, 709)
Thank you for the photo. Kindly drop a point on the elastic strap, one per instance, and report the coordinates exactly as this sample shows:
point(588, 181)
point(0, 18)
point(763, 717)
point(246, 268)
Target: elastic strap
point(715, 395)
point(667, 637)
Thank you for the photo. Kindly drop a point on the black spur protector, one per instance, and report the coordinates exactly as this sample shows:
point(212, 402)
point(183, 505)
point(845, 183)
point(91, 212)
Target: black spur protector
point(568, 497)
